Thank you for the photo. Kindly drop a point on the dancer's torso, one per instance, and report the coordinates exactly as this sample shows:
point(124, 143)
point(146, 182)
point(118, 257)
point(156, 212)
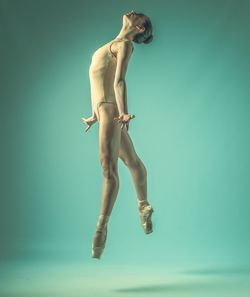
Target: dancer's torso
point(102, 73)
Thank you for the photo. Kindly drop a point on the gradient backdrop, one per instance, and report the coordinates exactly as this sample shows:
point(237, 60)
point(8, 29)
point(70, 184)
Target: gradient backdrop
point(189, 90)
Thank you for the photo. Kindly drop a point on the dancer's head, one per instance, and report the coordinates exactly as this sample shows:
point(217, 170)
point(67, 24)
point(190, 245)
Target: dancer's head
point(139, 27)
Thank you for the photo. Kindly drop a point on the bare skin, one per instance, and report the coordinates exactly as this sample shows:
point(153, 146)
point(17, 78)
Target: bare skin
point(115, 143)
point(114, 139)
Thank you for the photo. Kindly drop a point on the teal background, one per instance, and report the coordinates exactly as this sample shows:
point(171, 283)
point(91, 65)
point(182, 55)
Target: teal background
point(189, 90)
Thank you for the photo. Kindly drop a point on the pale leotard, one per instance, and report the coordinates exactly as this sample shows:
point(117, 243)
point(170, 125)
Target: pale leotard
point(102, 75)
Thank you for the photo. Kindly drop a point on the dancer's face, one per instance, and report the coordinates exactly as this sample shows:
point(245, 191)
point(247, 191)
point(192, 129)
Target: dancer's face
point(133, 19)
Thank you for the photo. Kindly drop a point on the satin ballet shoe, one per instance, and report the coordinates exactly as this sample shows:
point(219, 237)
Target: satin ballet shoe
point(145, 212)
point(100, 237)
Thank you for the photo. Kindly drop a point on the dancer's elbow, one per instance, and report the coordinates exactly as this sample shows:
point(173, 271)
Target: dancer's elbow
point(119, 83)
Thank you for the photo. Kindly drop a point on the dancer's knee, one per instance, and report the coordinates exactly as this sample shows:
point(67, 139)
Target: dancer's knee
point(133, 163)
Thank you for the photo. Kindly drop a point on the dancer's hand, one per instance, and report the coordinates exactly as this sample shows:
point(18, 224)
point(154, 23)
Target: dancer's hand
point(89, 122)
point(124, 119)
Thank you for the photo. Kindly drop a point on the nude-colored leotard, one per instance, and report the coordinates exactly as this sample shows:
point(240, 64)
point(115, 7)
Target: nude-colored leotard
point(102, 75)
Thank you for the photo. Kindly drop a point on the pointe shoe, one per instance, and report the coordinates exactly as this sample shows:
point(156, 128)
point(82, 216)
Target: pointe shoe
point(145, 212)
point(100, 237)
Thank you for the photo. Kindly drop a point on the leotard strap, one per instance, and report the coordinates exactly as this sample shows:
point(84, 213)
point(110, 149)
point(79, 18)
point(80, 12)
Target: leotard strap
point(114, 41)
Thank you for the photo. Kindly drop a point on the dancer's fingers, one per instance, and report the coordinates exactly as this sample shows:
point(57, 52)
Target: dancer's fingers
point(87, 128)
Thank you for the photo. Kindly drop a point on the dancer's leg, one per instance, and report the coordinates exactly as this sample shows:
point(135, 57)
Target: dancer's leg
point(109, 143)
point(139, 174)
point(136, 167)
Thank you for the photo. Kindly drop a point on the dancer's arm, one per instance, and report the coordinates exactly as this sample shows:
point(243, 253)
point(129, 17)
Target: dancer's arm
point(90, 120)
point(93, 110)
point(123, 55)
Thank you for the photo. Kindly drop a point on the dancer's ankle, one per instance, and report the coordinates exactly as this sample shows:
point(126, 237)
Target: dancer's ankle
point(142, 203)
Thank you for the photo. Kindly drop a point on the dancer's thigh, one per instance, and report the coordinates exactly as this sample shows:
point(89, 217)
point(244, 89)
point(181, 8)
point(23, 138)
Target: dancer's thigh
point(109, 133)
point(127, 151)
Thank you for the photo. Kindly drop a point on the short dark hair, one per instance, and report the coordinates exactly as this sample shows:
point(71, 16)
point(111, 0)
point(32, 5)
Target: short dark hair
point(147, 35)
